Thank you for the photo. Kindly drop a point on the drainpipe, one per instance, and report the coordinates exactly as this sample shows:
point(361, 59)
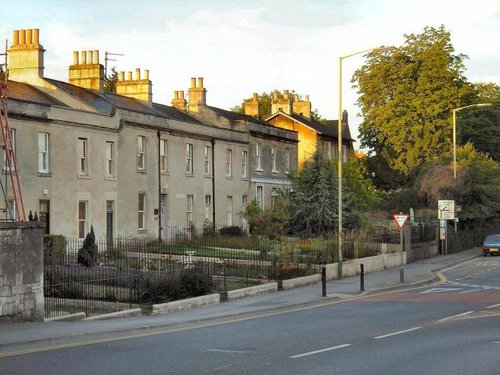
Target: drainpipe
point(213, 183)
point(159, 186)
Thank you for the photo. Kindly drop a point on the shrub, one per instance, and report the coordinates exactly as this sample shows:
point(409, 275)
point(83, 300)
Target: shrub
point(194, 282)
point(231, 231)
point(54, 249)
point(87, 255)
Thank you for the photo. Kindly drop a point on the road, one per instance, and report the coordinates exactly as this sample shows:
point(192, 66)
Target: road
point(448, 328)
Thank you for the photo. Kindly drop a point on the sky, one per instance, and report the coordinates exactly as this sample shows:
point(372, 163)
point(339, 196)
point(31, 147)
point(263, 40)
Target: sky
point(241, 47)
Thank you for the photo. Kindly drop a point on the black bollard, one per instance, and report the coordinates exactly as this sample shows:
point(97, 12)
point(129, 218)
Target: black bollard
point(362, 277)
point(323, 280)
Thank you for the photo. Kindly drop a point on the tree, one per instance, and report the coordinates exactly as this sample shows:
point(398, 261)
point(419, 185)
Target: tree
point(110, 81)
point(406, 97)
point(265, 100)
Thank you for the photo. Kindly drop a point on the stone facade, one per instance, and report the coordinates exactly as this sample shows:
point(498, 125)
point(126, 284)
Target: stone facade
point(21, 272)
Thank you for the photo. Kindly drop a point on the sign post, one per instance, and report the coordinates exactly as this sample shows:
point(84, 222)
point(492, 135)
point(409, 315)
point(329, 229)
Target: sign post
point(400, 220)
point(446, 211)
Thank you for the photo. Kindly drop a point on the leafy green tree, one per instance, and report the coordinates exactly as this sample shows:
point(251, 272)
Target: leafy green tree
point(265, 100)
point(110, 81)
point(406, 97)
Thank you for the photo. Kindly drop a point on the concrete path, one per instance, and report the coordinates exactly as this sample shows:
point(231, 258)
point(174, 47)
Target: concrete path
point(16, 336)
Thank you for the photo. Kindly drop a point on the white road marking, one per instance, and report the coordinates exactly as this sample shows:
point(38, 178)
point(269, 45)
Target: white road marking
point(320, 351)
point(439, 290)
point(455, 316)
point(469, 291)
point(227, 351)
point(397, 333)
point(493, 306)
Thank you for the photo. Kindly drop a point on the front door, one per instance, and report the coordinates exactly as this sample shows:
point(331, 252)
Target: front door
point(44, 216)
point(109, 220)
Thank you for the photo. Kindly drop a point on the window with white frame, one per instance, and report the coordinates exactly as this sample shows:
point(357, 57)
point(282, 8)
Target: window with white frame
point(229, 162)
point(274, 195)
point(258, 151)
point(189, 210)
point(141, 211)
point(82, 218)
point(207, 158)
point(110, 159)
point(328, 150)
point(273, 159)
point(43, 152)
point(189, 158)
point(229, 211)
point(11, 164)
point(208, 205)
point(244, 162)
point(141, 152)
point(344, 153)
point(259, 196)
point(287, 160)
point(163, 155)
point(83, 157)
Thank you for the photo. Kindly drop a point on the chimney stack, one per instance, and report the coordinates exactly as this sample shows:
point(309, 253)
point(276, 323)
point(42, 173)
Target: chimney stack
point(86, 71)
point(179, 101)
point(302, 107)
point(197, 95)
point(252, 106)
point(283, 105)
point(139, 88)
point(26, 57)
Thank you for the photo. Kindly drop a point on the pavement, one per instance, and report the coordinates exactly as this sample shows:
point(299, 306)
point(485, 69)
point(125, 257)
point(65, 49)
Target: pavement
point(20, 336)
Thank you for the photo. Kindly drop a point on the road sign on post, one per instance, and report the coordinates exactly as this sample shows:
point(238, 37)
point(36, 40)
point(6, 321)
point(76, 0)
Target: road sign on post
point(446, 209)
point(400, 219)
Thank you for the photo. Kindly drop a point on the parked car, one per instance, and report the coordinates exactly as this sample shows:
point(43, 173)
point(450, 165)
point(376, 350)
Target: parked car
point(491, 244)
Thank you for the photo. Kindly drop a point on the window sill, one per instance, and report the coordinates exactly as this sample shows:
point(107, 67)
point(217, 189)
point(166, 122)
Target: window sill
point(189, 174)
point(164, 173)
point(44, 174)
point(274, 171)
point(259, 170)
point(83, 176)
point(142, 171)
point(229, 177)
point(111, 178)
point(209, 177)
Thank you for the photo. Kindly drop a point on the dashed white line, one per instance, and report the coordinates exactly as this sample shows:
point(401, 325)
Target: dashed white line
point(320, 351)
point(493, 306)
point(397, 333)
point(469, 291)
point(455, 316)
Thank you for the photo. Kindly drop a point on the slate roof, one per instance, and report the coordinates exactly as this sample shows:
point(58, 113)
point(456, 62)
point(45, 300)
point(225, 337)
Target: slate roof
point(330, 129)
point(234, 116)
point(28, 93)
point(104, 103)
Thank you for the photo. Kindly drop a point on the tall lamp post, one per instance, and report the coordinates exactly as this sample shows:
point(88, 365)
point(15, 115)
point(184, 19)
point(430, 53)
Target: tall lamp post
point(339, 148)
point(455, 110)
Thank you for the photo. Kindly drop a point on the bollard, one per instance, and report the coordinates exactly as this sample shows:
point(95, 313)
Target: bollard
point(323, 280)
point(362, 277)
point(402, 275)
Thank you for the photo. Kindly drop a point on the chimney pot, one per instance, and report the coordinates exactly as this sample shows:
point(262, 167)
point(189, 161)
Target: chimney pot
point(90, 57)
point(255, 98)
point(22, 38)
point(83, 57)
point(16, 38)
point(122, 76)
point(36, 36)
point(137, 74)
point(129, 76)
point(307, 98)
point(96, 56)
point(146, 74)
point(29, 36)
point(176, 94)
point(181, 94)
point(193, 82)
point(200, 82)
point(75, 58)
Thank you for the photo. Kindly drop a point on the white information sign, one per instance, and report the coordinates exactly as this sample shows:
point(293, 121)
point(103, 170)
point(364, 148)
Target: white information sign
point(446, 209)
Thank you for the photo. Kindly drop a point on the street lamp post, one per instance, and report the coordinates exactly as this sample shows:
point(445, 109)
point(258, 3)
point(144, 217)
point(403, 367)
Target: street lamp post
point(455, 110)
point(339, 148)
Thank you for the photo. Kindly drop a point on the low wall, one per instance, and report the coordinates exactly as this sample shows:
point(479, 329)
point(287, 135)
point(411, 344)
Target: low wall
point(21, 271)
point(252, 291)
point(422, 250)
point(185, 304)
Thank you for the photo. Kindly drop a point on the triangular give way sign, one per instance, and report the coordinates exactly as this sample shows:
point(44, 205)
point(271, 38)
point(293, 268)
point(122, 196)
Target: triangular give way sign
point(400, 219)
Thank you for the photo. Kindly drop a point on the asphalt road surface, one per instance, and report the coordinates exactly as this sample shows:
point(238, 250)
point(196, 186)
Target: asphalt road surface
point(451, 327)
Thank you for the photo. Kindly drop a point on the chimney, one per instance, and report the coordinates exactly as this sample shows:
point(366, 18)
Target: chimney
point(302, 107)
point(26, 57)
point(86, 71)
point(197, 95)
point(139, 88)
point(179, 101)
point(282, 105)
point(252, 106)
